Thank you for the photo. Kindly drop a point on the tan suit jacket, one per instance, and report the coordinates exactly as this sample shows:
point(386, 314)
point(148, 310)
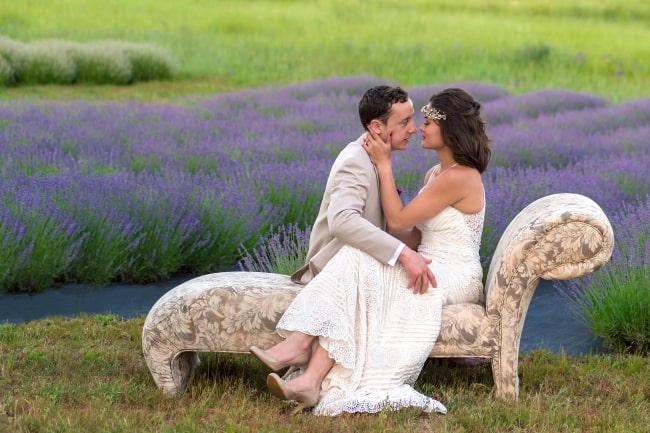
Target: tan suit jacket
point(350, 213)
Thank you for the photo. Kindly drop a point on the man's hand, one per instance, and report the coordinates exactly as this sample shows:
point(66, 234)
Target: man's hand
point(416, 267)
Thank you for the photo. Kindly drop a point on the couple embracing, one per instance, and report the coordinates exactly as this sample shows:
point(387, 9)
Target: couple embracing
point(377, 272)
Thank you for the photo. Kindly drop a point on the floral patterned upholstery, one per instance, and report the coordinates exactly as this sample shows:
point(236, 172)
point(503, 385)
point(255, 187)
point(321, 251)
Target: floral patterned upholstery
point(560, 236)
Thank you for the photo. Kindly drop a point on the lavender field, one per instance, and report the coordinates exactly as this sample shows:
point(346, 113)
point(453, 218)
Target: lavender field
point(95, 192)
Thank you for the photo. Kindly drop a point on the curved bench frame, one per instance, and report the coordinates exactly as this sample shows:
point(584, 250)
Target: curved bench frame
point(557, 237)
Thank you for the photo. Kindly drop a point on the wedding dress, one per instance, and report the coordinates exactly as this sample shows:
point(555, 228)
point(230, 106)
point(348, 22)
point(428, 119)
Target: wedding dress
point(378, 332)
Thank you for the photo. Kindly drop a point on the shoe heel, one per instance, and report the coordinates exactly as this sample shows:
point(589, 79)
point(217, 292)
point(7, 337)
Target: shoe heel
point(296, 410)
point(290, 370)
point(306, 400)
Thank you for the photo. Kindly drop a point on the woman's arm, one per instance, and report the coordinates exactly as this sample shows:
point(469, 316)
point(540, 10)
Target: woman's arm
point(444, 192)
point(411, 237)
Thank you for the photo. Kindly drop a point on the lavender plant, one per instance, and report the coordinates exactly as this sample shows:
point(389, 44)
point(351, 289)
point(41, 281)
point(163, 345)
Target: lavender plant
point(282, 252)
point(39, 239)
point(563, 137)
point(533, 105)
point(155, 189)
point(615, 301)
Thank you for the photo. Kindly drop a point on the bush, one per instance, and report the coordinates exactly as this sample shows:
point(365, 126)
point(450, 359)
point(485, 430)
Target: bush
point(43, 63)
point(150, 62)
point(10, 48)
point(615, 301)
point(7, 74)
point(65, 62)
point(101, 63)
point(534, 53)
point(617, 309)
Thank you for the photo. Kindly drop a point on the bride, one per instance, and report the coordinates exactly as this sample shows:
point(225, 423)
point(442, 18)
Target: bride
point(360, 336)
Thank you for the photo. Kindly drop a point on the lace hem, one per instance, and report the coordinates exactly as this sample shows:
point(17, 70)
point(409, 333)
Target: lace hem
point(329, 324)
point(335, 403)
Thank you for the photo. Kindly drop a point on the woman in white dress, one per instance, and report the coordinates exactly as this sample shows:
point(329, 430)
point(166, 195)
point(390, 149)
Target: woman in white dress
point(361, 335)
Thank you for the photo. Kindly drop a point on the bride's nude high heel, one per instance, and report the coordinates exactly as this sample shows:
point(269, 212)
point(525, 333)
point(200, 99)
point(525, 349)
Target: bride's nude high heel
point(293, 364)
point(279, 388)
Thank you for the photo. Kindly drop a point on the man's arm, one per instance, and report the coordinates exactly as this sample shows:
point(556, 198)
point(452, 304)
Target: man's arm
point(352, 200)
point(349, 197)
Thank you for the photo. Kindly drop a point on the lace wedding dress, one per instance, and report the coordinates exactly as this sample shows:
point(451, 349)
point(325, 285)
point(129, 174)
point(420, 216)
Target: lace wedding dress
point(379, 332)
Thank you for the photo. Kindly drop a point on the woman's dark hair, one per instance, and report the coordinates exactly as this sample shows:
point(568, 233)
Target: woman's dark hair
point(463, 129)
point(377, 102)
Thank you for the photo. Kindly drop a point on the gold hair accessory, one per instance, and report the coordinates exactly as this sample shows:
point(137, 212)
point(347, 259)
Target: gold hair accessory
point(433, 113)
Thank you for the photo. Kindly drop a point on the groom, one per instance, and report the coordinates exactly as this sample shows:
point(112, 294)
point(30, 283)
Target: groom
point(350, 212)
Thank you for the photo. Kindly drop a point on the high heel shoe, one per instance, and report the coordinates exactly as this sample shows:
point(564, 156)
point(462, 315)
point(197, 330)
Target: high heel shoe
point(297, 362)
point(279, 388)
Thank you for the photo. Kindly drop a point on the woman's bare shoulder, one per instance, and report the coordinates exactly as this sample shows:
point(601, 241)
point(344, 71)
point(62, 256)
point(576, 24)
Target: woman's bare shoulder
point(429, 173)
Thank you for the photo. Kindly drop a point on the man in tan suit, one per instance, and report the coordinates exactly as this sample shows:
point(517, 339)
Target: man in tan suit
point(350, 211)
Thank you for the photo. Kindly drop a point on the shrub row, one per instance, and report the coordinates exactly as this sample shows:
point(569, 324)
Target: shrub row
point(65, 62)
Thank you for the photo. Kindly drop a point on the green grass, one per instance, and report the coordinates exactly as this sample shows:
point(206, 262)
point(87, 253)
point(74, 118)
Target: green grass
point(593, 46)
point(88, 374)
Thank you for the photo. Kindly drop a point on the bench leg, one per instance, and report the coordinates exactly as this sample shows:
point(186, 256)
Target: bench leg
point(183, 367)
point(505, 370)
point(171, 370)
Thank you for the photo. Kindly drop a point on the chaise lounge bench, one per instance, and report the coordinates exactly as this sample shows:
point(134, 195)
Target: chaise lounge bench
point(557, 237)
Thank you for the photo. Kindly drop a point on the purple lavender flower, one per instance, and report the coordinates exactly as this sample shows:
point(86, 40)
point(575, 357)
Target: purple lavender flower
point(128, 190)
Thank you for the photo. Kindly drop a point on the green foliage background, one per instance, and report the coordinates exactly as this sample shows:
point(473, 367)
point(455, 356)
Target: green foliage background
point(587, 45)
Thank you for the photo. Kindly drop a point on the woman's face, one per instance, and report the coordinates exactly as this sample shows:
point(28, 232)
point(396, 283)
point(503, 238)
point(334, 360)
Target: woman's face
point(431, 135)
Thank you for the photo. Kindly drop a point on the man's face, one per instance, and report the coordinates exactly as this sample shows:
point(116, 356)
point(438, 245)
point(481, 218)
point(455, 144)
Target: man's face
point(400, 125)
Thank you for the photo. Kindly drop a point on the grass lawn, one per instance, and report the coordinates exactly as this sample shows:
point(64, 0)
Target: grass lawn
point(87, 374)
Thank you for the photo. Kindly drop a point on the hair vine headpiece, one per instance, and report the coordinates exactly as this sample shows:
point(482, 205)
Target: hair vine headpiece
point(433, 113)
